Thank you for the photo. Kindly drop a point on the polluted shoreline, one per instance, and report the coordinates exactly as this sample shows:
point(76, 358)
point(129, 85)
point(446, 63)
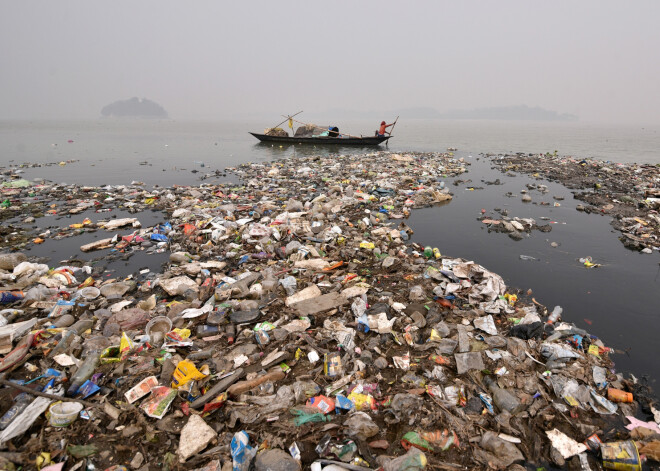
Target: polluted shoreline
point(628, 193)
point(297, 325)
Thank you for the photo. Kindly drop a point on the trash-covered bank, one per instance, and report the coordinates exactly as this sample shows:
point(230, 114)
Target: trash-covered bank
point(629, 193)
point(297, 325)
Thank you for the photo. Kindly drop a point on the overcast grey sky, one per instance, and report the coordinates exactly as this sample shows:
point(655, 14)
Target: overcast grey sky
point(208, 59)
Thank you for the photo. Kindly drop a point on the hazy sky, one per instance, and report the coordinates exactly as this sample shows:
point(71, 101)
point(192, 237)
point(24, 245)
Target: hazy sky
point(207, 59)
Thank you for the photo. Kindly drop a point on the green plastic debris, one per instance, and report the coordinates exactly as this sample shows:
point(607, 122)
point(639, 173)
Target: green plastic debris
point(81, 451)
point(305, 416)
point(22, 183)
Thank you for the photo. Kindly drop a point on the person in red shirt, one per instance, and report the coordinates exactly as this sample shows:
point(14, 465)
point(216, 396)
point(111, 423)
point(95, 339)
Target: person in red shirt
point(383, 127)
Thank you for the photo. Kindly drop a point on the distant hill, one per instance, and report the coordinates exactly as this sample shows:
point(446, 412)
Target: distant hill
point(521, 112)
point(134, 108)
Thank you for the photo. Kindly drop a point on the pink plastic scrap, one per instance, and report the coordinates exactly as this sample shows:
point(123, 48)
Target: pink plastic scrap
point(634, 423)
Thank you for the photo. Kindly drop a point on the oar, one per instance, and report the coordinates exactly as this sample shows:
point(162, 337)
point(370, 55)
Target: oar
point(287, 118)
point(387, 144)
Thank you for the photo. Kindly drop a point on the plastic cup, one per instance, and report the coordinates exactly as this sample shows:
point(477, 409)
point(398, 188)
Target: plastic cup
point(64, 414)
point(157, 328)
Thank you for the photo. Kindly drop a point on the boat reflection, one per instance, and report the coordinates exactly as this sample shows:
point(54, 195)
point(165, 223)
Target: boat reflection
point(283, 151)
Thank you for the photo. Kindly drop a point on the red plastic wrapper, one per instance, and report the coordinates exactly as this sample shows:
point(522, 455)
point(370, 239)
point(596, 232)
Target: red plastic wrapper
point(322, 403)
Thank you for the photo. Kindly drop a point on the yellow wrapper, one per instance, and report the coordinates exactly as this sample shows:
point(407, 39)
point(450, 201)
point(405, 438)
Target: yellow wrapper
point(185, 371)
point(110, 355)
point(435, 336)
point(125, 346)
point(88, 282)
point(362, 401)
point(183, 333)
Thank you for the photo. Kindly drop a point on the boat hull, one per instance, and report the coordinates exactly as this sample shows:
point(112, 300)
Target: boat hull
point(337, 141)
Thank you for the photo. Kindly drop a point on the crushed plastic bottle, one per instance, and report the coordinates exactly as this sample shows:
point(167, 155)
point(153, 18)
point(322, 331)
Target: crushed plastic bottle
point(555, 315)
point(503, 399)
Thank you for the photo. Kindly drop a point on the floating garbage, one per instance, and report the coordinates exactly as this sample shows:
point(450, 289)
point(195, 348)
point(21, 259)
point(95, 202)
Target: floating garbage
point(295, 324)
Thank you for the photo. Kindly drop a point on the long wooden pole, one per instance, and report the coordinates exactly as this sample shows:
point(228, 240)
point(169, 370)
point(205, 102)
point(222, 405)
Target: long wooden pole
point(4, 382)
point(393, 124)
point(390, 133)
point(288, 118)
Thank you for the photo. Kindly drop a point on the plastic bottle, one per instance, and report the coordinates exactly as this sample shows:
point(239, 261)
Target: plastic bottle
point(248, 305)
point(616, 395)
point(8, 261)
point(231, 333)
point(428, 251)
point(207, 330)
point(39, 293)
point(64, 343)
point(7, 316)
point(436, 253)
point(8, 297)
point(555, 315)
point(82, 325)
point(503, 399)
point(64, 321)
point(20, 403)
point(201, 355)
point(180, 258)
point(85, 372)
point(414, 460)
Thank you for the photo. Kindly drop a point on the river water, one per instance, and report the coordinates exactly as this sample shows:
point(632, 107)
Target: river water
point(618, 302)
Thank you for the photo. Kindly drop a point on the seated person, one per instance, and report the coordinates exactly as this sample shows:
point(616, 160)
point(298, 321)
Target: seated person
point(383, 127)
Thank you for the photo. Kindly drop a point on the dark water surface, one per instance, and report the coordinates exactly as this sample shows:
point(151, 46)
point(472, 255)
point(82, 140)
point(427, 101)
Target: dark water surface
point(619, 302)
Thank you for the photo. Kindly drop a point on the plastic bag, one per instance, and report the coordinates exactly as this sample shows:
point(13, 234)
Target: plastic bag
point(289, 283)
point(413, 460)
point(304, 415)
point(241, 452)
point(361, 426)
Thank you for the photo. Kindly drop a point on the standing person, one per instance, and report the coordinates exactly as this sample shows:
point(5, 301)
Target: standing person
point(383, 127)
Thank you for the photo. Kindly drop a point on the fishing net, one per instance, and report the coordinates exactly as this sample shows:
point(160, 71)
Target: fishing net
point(309, 130)
point(276, 132)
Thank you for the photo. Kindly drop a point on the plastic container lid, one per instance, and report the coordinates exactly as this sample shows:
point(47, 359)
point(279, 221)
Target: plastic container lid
point(63, 414)
point(91, 292)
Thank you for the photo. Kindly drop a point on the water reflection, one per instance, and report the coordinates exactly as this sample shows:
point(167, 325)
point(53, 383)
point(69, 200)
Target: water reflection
point(268, 151)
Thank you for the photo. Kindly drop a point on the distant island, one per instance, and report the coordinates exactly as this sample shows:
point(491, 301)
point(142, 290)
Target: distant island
point(521, 112)
point(513, 113)
point(134, 108)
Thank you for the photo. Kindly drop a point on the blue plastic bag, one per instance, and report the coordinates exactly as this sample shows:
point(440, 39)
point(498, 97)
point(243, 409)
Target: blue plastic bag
point(241, 452)
point(158, 237)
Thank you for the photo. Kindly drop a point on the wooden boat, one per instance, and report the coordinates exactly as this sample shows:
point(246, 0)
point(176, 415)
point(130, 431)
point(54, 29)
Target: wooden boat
point(317, 135)
point(324, 140)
